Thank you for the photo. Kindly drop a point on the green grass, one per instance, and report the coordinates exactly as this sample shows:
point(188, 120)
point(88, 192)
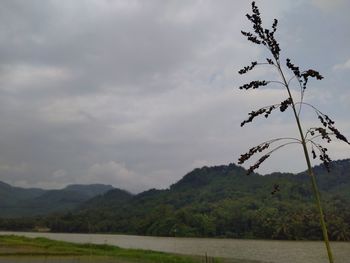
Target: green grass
point(23, 246)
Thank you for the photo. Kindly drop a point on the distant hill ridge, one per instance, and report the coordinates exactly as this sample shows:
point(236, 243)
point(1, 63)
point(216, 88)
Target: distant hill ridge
point(17, 201)
point(225, 180)
point(219, 201)
point(222, 201)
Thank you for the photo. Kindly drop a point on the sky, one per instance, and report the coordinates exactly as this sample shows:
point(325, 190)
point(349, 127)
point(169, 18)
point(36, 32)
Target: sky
point(138, 93)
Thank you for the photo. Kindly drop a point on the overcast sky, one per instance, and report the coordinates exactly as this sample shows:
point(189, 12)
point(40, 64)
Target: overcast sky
point(138, 93)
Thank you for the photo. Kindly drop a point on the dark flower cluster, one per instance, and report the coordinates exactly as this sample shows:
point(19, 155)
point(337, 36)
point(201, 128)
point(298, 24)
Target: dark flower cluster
point(328, 123)
point(325, 135)
point(252, 115)
point(257, 164)
point(323, 132)
point(325, 120)
point(252, 151)
point(293, 68)
point(254, 84)
point(324, 157)
point(248, 68)
point(251, 37)
point(338, 135)
point(269, 60)
point(303, 77)
point(274, 25)
point(269, 110)
point(314, 156)
point(285, 104)
point(310, 73)
point(266, 111)
point(276, 188)
point(262, 36)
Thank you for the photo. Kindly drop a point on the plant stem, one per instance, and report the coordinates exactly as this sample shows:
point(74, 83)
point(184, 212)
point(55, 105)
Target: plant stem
point(310, 171)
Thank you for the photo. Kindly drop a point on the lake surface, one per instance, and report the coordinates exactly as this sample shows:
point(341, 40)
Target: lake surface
point(255, 250)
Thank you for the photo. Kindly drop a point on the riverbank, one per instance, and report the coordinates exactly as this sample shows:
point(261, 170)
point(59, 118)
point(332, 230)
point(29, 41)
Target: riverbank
point(232, 250)
point(11, 245)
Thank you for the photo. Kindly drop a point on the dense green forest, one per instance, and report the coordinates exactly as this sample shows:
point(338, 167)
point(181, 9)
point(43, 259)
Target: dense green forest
point(220, 201)
point(17, 201)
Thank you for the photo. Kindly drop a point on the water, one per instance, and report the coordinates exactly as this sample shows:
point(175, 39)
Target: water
point(255, 250)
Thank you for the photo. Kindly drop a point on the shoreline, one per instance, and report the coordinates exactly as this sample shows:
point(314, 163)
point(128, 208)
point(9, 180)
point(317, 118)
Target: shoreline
point(20, 247)
point(274, 251)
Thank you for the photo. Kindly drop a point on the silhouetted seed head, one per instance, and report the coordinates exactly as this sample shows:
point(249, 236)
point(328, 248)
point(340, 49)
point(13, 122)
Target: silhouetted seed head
point(324, 156)
point(252, 151)
point(257, 164)
point(323, 132)
point(248, 68)
point(328, 123)
point(266, 111)
point(274, 25)
point(265, 36)
point(251, 37)
point(285, 104)
point(310, 73)
point(313, 154)
point(294, 68)
point(322, 121)
point(269, 60)
point(254, 84)
point(338, 135)
point(262, 35)
point(328, 119)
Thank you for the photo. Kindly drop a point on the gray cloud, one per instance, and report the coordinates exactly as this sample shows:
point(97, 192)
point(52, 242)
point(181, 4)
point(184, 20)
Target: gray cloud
point(137, 93)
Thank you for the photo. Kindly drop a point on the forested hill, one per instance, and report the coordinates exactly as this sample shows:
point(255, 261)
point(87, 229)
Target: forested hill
point(17, 201)
point(221, 201)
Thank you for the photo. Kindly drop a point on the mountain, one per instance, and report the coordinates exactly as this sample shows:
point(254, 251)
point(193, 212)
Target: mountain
point(17, 202)
point(218, 201)
point(222, 201)
point(12, 199)
point(111, 199)
point(89, 190)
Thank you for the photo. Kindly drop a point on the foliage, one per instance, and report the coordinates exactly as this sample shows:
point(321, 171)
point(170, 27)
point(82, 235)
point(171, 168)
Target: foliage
point(17, 202)
point(218, 201)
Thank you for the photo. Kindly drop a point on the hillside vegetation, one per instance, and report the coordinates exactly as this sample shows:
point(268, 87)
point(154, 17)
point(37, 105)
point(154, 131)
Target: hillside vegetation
point(17, 202)
point(220, 201)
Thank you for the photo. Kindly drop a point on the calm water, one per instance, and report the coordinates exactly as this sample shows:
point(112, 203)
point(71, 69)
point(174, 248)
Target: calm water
point(255, 250)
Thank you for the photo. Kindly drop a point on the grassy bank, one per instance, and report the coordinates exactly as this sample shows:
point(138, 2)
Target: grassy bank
point(23, 246)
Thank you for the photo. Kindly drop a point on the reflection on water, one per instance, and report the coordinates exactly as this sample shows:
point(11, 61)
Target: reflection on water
point(56, 259)
point(253, 250)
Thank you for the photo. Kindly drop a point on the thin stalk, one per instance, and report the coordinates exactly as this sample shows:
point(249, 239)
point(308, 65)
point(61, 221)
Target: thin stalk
point(310, 171)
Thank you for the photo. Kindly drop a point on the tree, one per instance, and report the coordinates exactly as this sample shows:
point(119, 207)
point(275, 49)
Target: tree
point(326, 132)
